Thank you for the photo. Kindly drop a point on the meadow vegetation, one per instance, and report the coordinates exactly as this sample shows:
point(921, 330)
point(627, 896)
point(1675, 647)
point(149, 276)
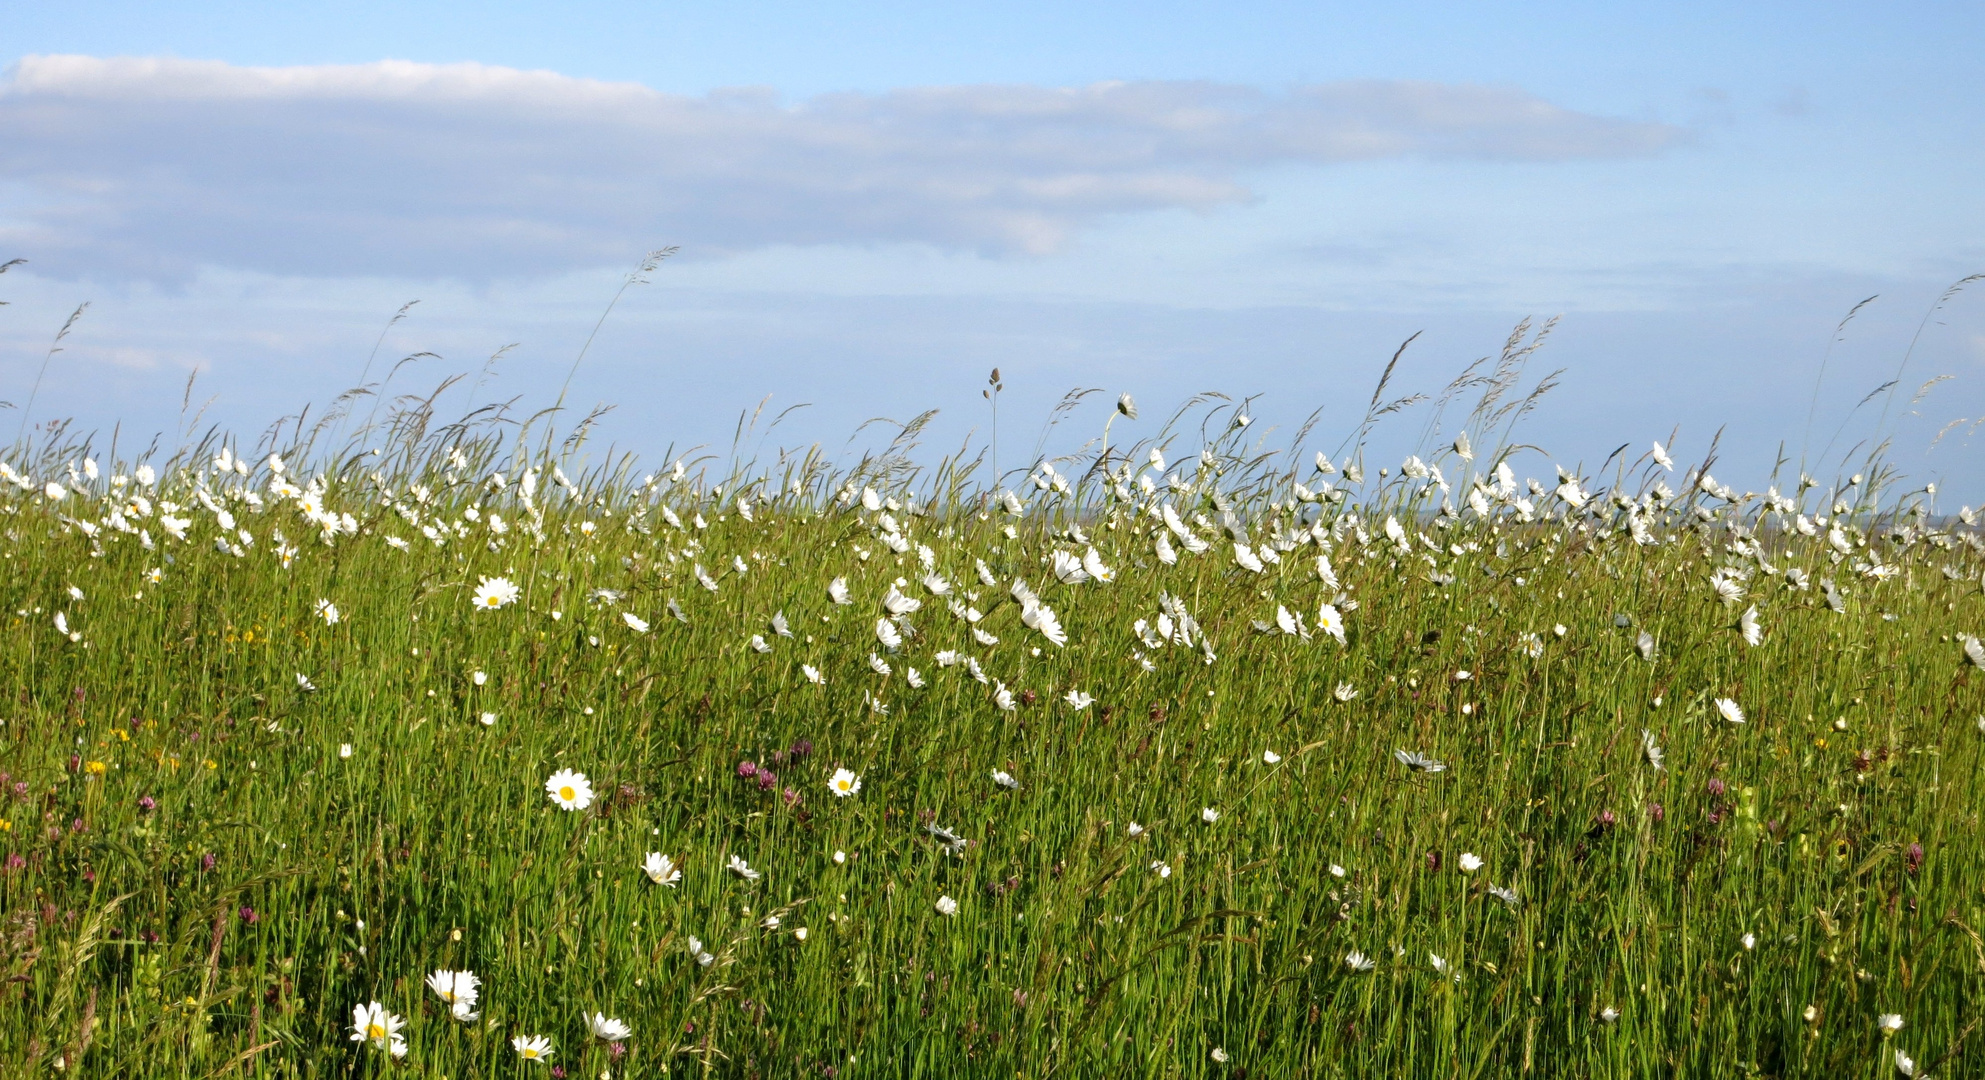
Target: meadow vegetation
point(1180, 757)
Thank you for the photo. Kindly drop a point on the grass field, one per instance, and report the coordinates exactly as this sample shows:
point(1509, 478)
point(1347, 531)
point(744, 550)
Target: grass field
point(1308, 778)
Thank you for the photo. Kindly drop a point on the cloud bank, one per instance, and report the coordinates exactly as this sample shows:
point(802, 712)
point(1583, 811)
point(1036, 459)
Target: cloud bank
point(154, 168)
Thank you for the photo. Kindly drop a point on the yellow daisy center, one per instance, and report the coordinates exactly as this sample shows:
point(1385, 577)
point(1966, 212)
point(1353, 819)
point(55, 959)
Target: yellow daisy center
point(567, 794)
point(375, 1031)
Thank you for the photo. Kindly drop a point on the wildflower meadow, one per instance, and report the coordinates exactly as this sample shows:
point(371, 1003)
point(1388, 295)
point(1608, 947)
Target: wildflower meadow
point(466, 750)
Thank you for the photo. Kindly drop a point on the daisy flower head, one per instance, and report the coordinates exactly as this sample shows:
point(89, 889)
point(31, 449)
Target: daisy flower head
point(1730, 710)
point(1358, 961)
point(570, 790)
point(606, 1029)
point(455, 987)
point(743, 869)
point(1470, 862)
point(661, 869)
point(1270, 757)
point(372, 1023)
point(1331, 622)
point(946, 906)
point(1208, 814)
point(634, 622)
point(844, 783)
point(495, 592)
point(1651, 749)
point(886, 633)
point(1418, 762)
point(1747, 624)
point(532, 1047)
point(1889, 1023)
point(1005, 779)
point(328, 612)
point(1078, 700)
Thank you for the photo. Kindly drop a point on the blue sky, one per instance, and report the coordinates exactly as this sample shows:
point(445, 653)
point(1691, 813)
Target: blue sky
point(879, 202)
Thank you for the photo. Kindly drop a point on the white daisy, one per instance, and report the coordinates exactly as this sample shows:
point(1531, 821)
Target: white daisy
point(886, 633)
point(1330, 622)
point(844, 783)
point(1418, 762)
point(1730, 710)
point(606, 1029)
point(1655, 757)
point(1747, 624)
point(455, 987)
point(570, 790)
point(372, 1023)
point(661, 869)
point(495, 592)
point(533, 1047)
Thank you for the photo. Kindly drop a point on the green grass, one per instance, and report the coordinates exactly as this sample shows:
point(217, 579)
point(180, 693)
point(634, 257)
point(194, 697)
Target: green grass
point(434, 845)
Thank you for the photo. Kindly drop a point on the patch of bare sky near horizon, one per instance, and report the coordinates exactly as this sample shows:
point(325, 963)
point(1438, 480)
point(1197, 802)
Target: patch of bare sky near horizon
point(680, 364)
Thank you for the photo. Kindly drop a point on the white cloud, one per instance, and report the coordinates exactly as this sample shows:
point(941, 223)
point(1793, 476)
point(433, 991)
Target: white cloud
point(152, 168)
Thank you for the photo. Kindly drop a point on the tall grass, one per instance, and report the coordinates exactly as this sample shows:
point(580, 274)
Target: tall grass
point(200, 882)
